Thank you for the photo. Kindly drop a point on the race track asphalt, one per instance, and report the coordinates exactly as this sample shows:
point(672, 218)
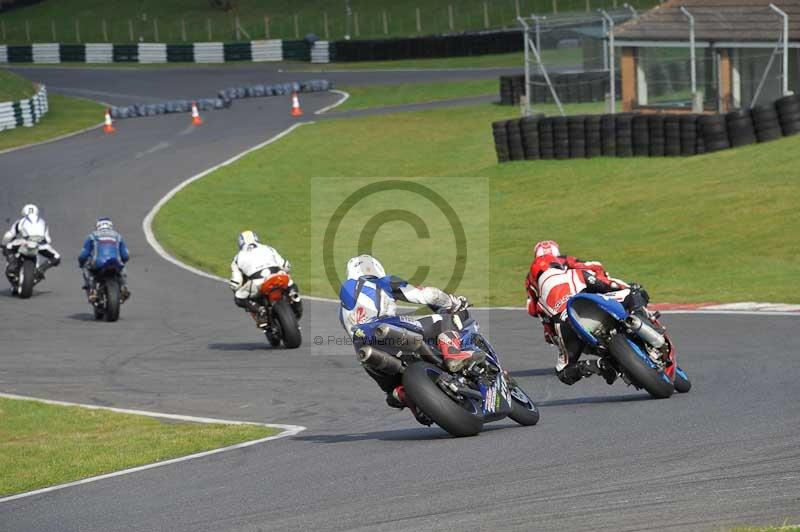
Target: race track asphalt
point(601, 458)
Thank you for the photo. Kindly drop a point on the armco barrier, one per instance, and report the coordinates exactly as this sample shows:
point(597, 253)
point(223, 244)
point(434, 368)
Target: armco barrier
point(152, 52)
point(208, 52)
point(3, 53)
point(99, 53)
point(271, 50)
point(643, 135)
point(320, 52)
point(46, 53)
point(24, 112)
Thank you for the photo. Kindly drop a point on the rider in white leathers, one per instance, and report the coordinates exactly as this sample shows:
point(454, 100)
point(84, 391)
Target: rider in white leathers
point(31, 225)
point(254, 263)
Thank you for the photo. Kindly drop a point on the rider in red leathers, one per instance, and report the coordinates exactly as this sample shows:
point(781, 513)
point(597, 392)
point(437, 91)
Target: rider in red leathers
point(554, 278)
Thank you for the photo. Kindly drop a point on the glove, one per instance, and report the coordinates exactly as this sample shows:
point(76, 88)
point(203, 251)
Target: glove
point(287, 266)
point(458, 303)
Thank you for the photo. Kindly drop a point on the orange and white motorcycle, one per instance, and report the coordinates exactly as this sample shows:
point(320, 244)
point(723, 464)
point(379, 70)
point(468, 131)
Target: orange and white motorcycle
point(281, 312)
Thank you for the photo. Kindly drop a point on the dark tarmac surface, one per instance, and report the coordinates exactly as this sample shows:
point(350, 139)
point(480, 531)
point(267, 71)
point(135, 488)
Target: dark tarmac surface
point(601, 458)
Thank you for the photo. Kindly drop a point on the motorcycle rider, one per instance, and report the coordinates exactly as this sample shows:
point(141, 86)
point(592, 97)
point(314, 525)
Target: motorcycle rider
point(254, 263)
point(552, 279)
point(30, 225)
point(103, 246)
point(368, 293)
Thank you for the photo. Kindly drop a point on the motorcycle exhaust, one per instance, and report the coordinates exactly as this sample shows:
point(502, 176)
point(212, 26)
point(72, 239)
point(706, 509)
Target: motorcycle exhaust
point(645, 331)
point(410, 341)
point(379, 360)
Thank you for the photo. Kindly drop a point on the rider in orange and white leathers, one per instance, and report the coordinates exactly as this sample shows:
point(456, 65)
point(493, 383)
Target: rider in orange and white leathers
point(554, 278)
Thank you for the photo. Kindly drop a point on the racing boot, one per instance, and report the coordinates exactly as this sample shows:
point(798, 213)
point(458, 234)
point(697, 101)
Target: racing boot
point(454, 358)
point(397, 399)
point(598, 367)
point(124, 293)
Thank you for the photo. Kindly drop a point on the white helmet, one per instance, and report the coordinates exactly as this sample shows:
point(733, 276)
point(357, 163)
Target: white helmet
point(247, 239)
point(30, 210)
point(364, 266)
point(104, 223)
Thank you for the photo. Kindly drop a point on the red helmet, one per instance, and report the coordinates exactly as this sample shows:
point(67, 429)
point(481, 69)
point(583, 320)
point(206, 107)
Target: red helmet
point(546, 247)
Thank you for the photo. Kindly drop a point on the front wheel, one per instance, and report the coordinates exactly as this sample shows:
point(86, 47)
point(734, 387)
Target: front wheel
point(523, 409)
point(639, 367)
point(27, 273)
point(112, 300)
point(463, 418)
point(290, 329)
point(682, 382)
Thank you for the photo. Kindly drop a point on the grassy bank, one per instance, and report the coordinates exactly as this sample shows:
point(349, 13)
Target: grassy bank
point(43, 445)
point(66, 115)
point(403, 93)
point(178, 18)
point(14, 87)
point(685, 228)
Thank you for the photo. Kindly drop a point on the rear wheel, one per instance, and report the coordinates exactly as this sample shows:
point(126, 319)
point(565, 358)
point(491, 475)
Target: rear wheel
point(638, 367)
point(523, 409)
point(464, 418)
point(682, 382)
point(112, 300)
point(290, 330)
point(26, 278)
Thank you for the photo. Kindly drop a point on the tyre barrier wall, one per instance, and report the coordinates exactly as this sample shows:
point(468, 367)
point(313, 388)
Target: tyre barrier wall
point(223, 100)
point(642, 135)
point(573, 87)
point(26, 112)
point(205, 52)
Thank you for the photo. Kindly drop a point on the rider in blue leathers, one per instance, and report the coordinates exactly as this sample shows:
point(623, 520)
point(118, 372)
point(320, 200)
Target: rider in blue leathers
point(369, 293)
point(102, 247)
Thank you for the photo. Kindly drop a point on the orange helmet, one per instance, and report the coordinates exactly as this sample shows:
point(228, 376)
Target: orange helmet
point(546, 247)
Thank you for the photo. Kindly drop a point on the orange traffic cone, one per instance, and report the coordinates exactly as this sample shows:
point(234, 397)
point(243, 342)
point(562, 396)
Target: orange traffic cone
point(296, 111)
point(196, 120)
point(108, 127)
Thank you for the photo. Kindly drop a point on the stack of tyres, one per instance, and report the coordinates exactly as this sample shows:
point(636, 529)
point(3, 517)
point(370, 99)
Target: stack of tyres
point(594, 144)
point(546, 139)
point(688, 133)
point(788, 109)
point(766, 123)
point(506, 96)
point(655, 126)
point(561, 137)
point(741, 131)
point(608, 135)
point(516, 151)
point(576, 126)
point(714, 133)
point(672, 136)
point(500, 140)
point(624, 135)
point(529, 126)
point(640, 135)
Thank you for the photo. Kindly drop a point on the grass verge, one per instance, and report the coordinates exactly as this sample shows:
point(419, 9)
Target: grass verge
point(44, 445)
point(404, 93)
point(14, 87)
point(719, 227)
point(66, 115)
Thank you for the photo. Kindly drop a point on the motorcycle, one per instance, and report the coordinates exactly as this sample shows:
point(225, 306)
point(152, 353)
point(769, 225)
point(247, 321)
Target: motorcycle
point(634, 343)
point(22, 267)
point(459, 402)
point(280, 323)
point(106, 285)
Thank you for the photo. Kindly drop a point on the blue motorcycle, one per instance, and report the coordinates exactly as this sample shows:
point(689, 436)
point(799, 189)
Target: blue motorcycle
point(634, 343)
point(104, 290)
point(459, 402)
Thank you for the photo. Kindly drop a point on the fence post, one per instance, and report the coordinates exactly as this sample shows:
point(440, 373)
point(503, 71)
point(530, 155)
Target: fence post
point(105, 30)
point(183, 29)
point(208, 27)
point(155, 30)
point(296, 27)
point(27, 30)
point(325, 25)
point(516, 7)
point(77, 31)
point(555, 6)
point(3, 27)
point(52, 30)
point(266, 27)
point(486, 15)
point(385, 24)
point(355, 23)
point(451, 22)
point(237, 28)
point(419, 20)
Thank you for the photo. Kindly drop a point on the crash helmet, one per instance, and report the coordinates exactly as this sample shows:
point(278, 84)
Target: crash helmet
point(30, 210)
point(247, 239)
point(546, 247)
point(104, 224)
point(364, 266)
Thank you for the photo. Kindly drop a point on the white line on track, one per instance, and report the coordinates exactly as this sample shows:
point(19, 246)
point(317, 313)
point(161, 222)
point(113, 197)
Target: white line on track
point(54, 139)
point(147, 226)
point(288, 430)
